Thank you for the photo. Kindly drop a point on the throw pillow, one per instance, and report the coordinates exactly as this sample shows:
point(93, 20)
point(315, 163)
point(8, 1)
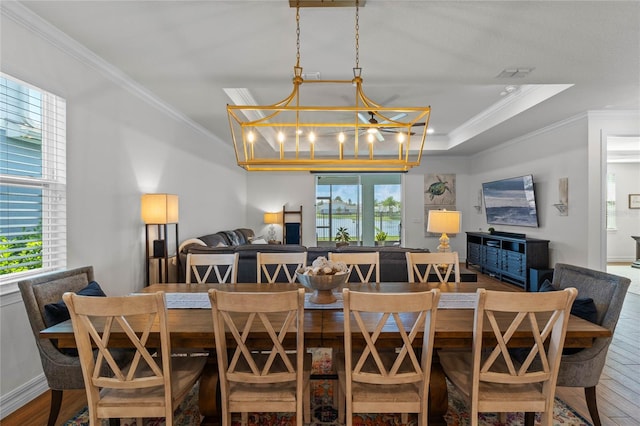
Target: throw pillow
point(546, 286)
point(55, 313)
point(583, 307)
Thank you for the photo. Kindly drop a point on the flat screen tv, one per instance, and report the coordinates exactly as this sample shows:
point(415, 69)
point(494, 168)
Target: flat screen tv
point(511, 202)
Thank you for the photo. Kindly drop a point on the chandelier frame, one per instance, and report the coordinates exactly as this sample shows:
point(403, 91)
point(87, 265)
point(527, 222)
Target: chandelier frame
point(266, 126)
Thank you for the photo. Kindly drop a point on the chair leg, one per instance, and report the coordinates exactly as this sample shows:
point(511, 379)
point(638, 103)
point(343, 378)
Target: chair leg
point(56, 403)
point(306, 403)
point(590, 396)
point(529, 418)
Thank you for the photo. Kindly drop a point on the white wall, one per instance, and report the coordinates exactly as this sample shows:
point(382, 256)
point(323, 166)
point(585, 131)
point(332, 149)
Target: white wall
point(620, 246)
point(120, 144)
point(414, 224)
point(270, 191)
point(551, 154)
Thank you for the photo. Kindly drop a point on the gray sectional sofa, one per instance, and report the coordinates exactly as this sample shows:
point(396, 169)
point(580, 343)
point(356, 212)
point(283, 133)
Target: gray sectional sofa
point(393, 266)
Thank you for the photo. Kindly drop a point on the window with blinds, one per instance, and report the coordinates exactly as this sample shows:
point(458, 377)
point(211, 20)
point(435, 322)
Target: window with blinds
point(33, 219)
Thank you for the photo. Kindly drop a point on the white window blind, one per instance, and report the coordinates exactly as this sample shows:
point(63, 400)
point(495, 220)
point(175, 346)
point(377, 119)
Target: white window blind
point(33, 218)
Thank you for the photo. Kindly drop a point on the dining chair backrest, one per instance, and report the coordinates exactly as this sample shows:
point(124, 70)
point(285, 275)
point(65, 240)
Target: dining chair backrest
point(374, 374)
point(150, 386)
point(584, 368)
point(421, 265)
point(279, 267)
point(365, 264)
point(223, 265)
point(62, 370)
point(495, 380)
point(264, 374)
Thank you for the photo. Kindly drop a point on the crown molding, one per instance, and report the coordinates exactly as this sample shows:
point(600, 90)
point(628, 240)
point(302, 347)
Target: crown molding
point(23, 16)
point(526, 97)
point(535, 133)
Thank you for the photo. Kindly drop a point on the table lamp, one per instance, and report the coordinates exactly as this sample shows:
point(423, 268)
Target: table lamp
point(271, 219)
point(444, 221)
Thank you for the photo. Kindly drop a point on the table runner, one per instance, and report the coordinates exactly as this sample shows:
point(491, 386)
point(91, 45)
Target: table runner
point(201, 301)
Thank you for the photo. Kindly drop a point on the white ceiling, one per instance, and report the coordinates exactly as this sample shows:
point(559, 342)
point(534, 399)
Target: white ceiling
point(446, 54)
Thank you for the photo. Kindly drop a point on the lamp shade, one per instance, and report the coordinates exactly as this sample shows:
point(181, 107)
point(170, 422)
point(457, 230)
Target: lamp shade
point(159, 208)
point(444, 221)
point(271, 218)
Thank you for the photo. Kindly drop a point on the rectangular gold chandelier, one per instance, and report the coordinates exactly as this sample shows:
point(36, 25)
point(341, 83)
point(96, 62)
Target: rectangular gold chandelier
point(363, 137)
point(306, 131)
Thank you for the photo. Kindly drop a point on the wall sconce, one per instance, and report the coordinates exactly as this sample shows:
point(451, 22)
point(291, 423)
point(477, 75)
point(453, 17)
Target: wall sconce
point(271, 219)
point(478, 206)
point(563, 194)
point(444, 221)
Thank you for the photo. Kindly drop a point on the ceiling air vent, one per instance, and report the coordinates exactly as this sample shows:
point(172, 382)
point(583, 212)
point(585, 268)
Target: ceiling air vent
point(514, 72)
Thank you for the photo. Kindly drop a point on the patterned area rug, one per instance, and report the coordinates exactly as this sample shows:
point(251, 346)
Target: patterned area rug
point(325, 413)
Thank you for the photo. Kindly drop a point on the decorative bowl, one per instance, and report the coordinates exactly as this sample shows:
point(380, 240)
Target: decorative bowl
point(322, 286)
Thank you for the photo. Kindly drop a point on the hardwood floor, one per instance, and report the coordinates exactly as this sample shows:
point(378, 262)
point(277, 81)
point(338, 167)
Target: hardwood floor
point(618, 391)
point(36, 412)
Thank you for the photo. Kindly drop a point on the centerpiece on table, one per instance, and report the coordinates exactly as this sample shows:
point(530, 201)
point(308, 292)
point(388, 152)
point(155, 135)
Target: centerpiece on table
point(322, 277)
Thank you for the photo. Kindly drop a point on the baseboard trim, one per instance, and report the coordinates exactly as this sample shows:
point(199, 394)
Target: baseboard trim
point(22, 395)
point(624, 259)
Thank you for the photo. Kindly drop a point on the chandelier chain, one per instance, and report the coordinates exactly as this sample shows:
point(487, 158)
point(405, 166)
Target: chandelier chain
point(357, 34)
point(298, 34)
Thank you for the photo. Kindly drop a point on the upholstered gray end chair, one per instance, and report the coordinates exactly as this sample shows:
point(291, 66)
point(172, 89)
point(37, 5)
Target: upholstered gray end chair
point(583, 369)
point(61, 370)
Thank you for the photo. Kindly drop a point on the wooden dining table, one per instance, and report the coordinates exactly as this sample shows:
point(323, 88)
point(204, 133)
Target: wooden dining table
point(193, 328)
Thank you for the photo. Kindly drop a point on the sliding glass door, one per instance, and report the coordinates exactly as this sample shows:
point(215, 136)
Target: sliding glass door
point(367, 206)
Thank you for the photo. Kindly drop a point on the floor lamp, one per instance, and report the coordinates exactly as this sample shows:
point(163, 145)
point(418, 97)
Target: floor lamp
point(444, 221)
point(159, 210)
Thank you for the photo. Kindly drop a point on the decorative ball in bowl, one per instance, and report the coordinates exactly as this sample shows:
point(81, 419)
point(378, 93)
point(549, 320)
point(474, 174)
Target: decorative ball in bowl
point(322, 277)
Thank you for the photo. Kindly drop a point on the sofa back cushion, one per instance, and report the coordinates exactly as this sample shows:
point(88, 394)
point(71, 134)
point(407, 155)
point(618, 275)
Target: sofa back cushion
point(213, 240)
point(245, 235)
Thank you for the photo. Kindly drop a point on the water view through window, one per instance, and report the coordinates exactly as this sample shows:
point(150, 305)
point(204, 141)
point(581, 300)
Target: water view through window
point(368, 207)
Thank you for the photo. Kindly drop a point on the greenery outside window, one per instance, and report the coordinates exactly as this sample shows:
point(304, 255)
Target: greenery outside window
point(33, 180)
point(367, 205)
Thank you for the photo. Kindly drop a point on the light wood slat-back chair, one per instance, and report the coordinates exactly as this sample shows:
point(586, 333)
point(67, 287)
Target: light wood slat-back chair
point(152, 385)
point(223, 265)
point(489, 378)
point(420, 265)
point(270, 374)
point(365, 264)
point(272, 265)
point(375, 380)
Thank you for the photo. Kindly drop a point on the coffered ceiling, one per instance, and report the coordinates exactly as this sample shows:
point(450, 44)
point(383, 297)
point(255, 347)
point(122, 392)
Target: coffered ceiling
point(491, 70)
